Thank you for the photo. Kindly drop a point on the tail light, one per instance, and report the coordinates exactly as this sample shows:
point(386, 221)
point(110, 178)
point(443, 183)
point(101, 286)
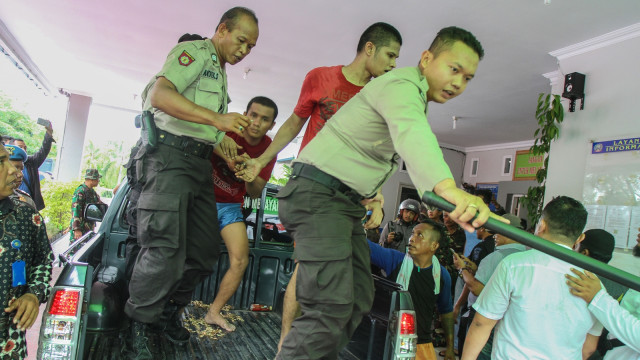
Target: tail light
point(406, 336)
point(407, 324)
point(61, 323)
point(65, 302)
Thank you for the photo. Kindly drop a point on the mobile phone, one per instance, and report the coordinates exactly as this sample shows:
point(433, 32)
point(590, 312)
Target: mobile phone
point(44, 122)
point(367, 217)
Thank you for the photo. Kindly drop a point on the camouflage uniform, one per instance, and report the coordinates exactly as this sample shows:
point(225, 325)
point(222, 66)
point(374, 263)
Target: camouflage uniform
point(81, 197)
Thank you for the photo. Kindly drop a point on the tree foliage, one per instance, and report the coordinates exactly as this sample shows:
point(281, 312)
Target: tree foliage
point(109, 161)
point(19, 125)
point(57, 196)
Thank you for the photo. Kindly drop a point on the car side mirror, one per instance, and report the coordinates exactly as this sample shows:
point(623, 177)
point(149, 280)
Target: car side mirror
point(95, 212)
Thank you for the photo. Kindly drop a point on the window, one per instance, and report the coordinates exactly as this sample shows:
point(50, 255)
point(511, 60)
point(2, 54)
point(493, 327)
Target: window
point(474, 167)
point(403, 166)
point(506, 165)
point(516, 204)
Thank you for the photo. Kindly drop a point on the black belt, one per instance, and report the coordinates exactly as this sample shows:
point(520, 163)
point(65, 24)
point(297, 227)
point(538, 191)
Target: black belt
point(186, 144)
point(313, 173)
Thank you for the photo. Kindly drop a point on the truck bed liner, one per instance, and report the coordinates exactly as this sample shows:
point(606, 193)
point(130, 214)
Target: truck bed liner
point(256, 337)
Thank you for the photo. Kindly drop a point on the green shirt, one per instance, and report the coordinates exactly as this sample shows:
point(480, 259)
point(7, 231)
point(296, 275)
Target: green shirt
point(385, 121)
point(194, 69)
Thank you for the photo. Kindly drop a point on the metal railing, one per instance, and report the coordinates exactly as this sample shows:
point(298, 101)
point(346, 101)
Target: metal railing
point(562, 253)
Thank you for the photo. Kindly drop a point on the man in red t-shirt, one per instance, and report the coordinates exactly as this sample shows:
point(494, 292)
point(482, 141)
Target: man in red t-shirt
point(324, 91)
point(230, 191)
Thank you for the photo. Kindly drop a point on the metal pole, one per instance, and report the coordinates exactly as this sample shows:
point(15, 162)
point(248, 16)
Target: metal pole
point(562, 253)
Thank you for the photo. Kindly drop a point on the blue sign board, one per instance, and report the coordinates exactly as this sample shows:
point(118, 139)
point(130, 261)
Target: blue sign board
point(602, 147)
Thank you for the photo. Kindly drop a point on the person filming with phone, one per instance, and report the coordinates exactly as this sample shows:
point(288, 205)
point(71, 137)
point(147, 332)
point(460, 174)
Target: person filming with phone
point(31, 179)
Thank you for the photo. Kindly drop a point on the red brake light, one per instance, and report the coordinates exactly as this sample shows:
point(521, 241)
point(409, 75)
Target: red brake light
point(407, 324)
point(65, 302)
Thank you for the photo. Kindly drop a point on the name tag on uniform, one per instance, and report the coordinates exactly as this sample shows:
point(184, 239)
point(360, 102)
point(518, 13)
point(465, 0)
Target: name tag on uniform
point(210, 74)
point(19, 273)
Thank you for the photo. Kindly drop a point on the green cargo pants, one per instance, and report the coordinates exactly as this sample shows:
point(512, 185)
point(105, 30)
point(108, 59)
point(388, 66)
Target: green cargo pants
point(334, 285)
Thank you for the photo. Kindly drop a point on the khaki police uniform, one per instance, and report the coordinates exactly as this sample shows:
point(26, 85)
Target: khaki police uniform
point(178, 239)
point(349, 159)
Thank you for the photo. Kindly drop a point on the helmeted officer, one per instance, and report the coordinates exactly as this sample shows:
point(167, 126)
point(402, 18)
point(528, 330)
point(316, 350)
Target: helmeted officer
point(397, 232)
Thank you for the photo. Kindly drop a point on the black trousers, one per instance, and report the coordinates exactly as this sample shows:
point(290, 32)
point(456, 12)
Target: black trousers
point(177, 231)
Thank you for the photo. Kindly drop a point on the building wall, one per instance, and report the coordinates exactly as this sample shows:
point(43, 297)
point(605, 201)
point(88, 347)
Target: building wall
point(391, 189)
point(489, 171)
point(490, 162)
point(609, 113)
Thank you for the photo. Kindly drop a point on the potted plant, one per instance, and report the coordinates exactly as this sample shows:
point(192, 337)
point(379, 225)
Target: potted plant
point(549, 113)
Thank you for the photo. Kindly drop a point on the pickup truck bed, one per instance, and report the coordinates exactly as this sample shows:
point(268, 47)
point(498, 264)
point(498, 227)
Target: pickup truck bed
point(88, 320)
point(256, 337)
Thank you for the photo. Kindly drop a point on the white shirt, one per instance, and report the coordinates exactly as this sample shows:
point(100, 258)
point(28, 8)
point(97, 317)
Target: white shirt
point(489, 264)
point(540, 317)
point(622, 320)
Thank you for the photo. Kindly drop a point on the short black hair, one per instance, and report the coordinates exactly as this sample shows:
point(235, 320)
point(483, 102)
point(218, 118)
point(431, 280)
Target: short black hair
point(440, 228)
point(485, 194)
point(565, 217)
point(13, 141)
point(6, 139)
point(380, 34)
point(448, 36)
point(265, 101)
point(231, 16)
point(190, 37)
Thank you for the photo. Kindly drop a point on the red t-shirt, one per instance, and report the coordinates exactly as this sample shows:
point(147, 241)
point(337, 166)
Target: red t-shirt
point(228, 188)
point(324, 91)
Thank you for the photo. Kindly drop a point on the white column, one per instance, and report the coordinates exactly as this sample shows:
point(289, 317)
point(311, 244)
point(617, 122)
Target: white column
point(70, 154)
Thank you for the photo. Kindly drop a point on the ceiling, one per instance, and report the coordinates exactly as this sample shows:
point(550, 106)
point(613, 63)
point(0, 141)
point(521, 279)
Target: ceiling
point(110, 49)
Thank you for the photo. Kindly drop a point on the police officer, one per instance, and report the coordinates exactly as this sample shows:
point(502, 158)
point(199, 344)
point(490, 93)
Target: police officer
point(84, 194)
point(396, 233)
point(17, 157)
point(179, 241)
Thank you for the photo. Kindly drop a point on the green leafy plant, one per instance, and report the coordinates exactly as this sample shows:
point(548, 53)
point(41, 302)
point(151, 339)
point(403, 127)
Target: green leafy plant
point(57, 198)
point(282, 181)
point(550, 114)
point(109, 161)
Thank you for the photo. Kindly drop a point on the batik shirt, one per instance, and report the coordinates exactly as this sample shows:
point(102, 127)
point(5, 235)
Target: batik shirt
point(19, 221)
point(81, 197)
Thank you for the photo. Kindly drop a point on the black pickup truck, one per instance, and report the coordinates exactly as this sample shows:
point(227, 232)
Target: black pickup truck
point(84, 317)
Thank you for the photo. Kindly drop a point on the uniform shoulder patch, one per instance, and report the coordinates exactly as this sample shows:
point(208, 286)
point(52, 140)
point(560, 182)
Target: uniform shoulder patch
point(185, 59)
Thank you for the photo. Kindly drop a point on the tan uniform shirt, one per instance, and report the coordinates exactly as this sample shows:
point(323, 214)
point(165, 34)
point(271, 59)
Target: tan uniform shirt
point(194, 69)
point(386, 120)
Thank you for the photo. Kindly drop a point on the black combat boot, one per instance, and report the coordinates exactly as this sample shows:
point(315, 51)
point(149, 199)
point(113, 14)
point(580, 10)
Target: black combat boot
point(171, 318)
point(140, 333)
